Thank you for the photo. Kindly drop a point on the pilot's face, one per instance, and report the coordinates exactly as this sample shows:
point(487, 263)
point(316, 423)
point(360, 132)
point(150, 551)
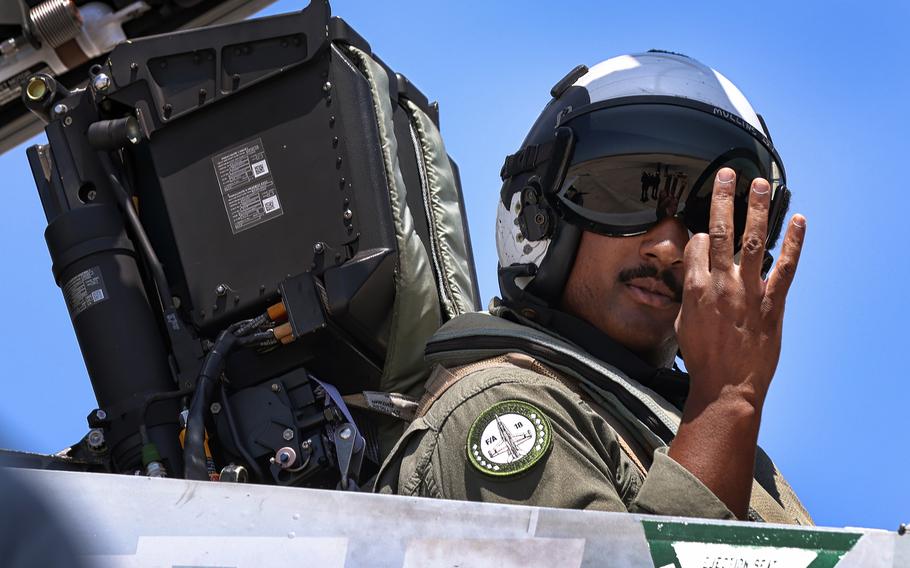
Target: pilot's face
point(631, 287)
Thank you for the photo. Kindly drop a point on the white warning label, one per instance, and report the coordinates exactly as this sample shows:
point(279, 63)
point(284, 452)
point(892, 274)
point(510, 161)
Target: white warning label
point(247, 188)
point(84, 290)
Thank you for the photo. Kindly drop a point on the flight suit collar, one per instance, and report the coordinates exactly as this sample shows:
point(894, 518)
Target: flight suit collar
point(672, 384)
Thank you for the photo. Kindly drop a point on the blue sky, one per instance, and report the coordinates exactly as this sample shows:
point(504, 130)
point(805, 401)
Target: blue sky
point(831, 80)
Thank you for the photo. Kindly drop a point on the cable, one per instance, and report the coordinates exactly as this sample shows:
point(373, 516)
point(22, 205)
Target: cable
point(238, 441)
point(145, 245)
point(194, 443)
point(153, 398)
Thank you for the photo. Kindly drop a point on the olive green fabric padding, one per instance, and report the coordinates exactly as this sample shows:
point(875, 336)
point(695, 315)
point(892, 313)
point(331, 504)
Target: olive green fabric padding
point(441, 197)
point(415, 312)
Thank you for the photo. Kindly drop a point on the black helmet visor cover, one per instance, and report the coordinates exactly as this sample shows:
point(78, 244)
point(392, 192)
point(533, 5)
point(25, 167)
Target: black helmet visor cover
point(636, 164)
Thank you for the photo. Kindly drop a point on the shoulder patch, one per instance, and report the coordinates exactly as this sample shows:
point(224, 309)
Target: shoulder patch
point(508, 438)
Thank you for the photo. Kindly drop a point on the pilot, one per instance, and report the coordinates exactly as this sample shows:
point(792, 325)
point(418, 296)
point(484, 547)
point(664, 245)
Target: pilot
point(568, 392)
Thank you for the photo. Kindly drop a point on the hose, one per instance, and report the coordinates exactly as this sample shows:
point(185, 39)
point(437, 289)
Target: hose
point(151, 399)
point(194, 443)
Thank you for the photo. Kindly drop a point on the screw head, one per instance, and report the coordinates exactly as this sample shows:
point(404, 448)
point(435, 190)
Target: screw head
point(319, 248)
point(91, 195)
point(100, 414)
point(67, 121)
point(101, 82)
point(276, 387)
point(327, 86)
point(345, 433)
point(348, 215)
point(221, 290)
point(288, 434)
point(60, 108)
point(215, 407)
point(95, 438)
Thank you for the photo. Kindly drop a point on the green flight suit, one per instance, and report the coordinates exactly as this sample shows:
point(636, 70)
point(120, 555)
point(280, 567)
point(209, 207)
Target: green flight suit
point(587, 465)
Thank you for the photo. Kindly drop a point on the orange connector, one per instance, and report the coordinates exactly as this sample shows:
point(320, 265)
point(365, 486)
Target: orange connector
point(284, 333)
point(278, 312)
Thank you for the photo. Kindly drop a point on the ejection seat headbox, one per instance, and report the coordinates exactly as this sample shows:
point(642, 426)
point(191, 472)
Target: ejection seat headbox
point(271, 159)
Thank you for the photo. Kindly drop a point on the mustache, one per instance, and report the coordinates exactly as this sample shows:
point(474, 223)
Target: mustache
point(650, 271)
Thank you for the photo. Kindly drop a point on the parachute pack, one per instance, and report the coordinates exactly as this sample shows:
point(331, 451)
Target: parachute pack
point(249, 223)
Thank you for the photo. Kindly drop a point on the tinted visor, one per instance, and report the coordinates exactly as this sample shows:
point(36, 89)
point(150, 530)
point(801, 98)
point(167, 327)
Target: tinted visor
point(634, 165)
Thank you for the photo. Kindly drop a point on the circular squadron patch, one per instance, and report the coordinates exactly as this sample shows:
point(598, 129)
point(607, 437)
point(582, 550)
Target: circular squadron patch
point(508, 438)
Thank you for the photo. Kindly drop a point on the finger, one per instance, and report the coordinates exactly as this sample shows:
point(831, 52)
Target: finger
point(785, 269)
point(755, 233)
point(720, 223)
point(695, 262)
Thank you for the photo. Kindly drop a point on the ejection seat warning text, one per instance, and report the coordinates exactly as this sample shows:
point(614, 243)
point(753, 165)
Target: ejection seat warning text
point(84, 290)
point(247, 188)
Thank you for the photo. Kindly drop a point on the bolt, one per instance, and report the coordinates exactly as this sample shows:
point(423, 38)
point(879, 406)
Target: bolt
point(327, 87)
point(95, 438)
point(319, 248)
point(176, 300)
point(67, 121)
point(519, 237)
point(284, 457)
point(348, 214)
point(275, 387)
point(288, 434)
point(221, 290)
point(306, 445)
point(215, 408)
point(100, 414)
point(539, 219)
point(345, 433)
point(101, 82)
point(527, 249)
point(60, 108)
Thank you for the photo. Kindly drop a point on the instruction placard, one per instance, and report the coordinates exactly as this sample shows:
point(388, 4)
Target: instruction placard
point(84, 290)
point(247, 188)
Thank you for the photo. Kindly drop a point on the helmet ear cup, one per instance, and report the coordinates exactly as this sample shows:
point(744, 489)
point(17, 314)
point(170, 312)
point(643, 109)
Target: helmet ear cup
point(536, 218)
